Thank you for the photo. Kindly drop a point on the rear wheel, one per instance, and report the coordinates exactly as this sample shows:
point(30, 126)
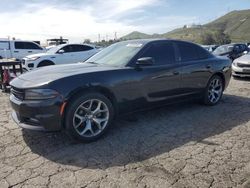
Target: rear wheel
point(89, 116)
point(45, 63)
point(214, 91)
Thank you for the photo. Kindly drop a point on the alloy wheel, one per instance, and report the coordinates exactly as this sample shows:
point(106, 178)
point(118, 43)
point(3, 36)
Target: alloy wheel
point(215, 90)
point(90, 118)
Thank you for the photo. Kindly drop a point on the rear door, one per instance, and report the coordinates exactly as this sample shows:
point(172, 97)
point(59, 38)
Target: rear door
point(23, 49)
point(196, 67)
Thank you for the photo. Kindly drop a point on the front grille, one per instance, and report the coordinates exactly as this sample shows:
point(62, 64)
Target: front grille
point(242, 73)
point(243, 65)
point(18, 93)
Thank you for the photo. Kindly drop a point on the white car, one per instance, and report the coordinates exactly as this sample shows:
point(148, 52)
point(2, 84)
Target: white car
point(59, 55)
point(241, 66)
point(18, 49)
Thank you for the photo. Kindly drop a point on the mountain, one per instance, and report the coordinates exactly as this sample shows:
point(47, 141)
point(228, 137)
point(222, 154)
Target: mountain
point(136, 35)
point(236, 24)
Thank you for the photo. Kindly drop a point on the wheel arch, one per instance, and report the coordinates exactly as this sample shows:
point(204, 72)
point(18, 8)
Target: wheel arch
point(45, 61)
point(220, 74)
point(98, 89)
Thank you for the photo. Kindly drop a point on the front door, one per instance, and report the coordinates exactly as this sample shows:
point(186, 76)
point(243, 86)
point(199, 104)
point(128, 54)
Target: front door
point(161, 80)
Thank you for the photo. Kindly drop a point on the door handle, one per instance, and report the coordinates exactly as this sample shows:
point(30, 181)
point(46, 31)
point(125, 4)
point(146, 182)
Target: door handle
point(208, 66)
point(16, 51)
point(176, 73)
point(29, 51)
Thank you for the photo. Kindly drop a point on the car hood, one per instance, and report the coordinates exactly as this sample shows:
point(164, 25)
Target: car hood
point(39, 55)
point(45, 75)
point(243, 59)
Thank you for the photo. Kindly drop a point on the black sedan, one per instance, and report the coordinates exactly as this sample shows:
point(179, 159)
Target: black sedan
point(125, 77)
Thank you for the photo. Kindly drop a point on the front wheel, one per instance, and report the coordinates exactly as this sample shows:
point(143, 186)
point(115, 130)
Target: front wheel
point(89, 116)
point(214, 91)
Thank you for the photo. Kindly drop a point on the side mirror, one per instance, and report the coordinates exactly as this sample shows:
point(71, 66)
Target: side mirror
point(245, 52)
point(145, 61)
point(60, 52)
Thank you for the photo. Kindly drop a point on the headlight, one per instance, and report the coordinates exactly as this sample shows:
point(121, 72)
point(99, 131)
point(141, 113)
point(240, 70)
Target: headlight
point(33, 58)
point(235, 63)
point(40, 94)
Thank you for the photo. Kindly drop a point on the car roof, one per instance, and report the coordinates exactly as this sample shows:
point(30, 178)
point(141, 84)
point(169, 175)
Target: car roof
point(145, 41)
point(62, 45)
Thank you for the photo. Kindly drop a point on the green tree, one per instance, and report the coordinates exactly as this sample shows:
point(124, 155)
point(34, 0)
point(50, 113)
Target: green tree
point(221, 38)
point(87, 41)
point(207, 39)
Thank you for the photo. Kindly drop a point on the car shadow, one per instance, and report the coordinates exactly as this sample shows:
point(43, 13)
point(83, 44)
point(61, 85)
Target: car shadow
point(150, 134)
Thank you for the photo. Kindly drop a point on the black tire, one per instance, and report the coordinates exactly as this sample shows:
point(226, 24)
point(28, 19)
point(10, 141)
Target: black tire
point(45, 63)
point(73, 108)
point(207, 95)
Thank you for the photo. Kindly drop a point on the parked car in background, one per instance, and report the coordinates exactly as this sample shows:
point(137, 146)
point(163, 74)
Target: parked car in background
point(18, 49)
point(241, 66)
point(125, 77)
point(232, 51)
point(210, 48)
point(61, 54)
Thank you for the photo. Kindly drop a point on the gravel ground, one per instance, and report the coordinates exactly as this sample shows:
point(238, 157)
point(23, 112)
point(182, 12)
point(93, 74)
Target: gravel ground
point(184, 145)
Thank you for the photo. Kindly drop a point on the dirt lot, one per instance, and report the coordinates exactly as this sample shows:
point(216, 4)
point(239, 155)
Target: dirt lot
point(185, 145)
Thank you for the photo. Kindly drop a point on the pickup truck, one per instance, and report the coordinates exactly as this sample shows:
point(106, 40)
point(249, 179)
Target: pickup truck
point(18, 49)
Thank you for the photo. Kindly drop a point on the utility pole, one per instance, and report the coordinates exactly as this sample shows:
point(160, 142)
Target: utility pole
point(99, 37)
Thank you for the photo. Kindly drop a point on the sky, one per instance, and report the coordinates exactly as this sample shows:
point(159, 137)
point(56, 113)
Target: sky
point(86, 19)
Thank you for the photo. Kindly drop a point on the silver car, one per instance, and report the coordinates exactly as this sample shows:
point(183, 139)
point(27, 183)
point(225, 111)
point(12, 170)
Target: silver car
point(241, 66)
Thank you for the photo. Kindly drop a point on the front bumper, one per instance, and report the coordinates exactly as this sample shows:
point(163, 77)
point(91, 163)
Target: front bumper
point(41, 115)
point(241, 72)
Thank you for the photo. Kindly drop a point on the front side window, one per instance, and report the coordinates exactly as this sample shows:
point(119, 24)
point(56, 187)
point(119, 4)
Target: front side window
point(162, 53)
point(68, 49)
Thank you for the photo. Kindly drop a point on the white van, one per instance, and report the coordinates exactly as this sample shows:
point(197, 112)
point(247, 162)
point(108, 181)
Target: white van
point(18, 49)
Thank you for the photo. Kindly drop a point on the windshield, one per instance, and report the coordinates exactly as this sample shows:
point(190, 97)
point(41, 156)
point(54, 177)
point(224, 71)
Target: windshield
point(118, 54)
point(223, 49)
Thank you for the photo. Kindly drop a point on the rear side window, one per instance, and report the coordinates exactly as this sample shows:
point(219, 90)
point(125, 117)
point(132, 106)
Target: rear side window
point(190, 52)
point(162, 53)
point(27, 46)
point(4, 45)
point(81, 48)
point(30, 45)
